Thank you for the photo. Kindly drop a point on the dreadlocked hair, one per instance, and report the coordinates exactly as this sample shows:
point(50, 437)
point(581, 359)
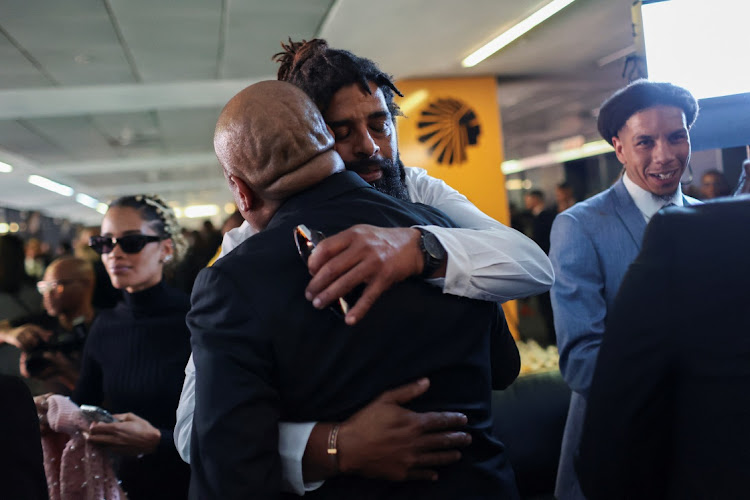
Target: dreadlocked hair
point(159, 217)
point(321, 71)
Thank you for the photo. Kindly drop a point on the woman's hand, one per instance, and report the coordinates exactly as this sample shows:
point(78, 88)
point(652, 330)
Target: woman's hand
point(132, 435)
point(41, 411)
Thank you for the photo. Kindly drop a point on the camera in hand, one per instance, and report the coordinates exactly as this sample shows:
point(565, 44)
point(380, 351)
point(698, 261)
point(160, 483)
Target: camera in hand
point(70, 344)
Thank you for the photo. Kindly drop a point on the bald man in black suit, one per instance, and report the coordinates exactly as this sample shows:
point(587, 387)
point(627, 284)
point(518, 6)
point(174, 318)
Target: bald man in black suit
point(263, 353)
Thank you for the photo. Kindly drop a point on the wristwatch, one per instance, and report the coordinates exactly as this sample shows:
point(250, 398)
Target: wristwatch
point(433, 252)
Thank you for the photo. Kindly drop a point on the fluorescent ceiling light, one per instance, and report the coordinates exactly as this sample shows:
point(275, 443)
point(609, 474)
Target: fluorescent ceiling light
point(87, 200)
point(5, 168)
point(516, 31)
point(50, 185)
point(102, 208)
point(588, 149)
point(195, 211)
point(518, 184)
point(4, 227)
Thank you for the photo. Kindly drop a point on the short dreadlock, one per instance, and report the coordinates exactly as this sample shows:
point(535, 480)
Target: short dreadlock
point(321, 72)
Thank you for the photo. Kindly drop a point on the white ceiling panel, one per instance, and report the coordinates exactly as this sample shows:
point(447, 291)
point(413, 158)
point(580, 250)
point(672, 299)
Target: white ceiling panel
point(18, 71)
point(21, 140)
point(576, 35)
point(76, 135)
point(122, 126)
point(188, 129)
point(442, 32)
point(171, 39)
point(73, 40)
point(255, 30)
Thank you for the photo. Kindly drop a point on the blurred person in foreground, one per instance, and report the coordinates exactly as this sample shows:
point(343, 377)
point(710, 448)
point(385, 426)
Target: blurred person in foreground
point(21, 469)
point(483, 259)
point(593, 242)
point(263, 353)
point(52, 342)
point(668, 409)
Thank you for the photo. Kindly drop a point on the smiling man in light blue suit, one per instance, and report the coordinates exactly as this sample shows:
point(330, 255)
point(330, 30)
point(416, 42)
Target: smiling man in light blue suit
point(594, 242)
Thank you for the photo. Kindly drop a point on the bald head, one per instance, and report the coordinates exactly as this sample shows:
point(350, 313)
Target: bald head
point(272, 136)
point(70, 287)
point(72, 268)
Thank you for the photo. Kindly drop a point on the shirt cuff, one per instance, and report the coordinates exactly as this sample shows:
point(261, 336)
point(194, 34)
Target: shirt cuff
point(293, 439)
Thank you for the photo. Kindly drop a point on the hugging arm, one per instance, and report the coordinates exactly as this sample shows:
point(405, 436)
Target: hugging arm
point(486, 260)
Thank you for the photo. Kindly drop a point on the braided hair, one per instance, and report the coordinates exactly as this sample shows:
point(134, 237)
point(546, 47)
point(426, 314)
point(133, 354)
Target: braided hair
point(159, 217)
point(321, 71)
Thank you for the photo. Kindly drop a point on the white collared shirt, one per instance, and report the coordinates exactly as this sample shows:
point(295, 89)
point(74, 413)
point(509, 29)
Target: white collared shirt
point(646, 202)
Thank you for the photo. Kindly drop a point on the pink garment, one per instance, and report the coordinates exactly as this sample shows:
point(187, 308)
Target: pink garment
point(75, 468)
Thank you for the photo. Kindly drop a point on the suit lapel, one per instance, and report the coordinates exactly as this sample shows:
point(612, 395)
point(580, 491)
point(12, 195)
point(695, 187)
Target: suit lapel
point(631, 217)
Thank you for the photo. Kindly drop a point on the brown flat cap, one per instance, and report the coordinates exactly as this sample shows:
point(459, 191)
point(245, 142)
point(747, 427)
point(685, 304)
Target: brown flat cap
point(271, 134)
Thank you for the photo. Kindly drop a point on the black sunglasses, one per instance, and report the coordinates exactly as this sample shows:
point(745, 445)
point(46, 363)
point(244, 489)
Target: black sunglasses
point(306, 241)
point(131, 243)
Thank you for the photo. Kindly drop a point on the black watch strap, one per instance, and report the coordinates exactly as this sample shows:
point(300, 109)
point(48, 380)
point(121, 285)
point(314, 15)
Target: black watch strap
point(433, 252)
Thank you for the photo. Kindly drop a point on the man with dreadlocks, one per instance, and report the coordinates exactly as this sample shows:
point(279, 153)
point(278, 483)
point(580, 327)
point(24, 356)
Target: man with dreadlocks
point(482, 259)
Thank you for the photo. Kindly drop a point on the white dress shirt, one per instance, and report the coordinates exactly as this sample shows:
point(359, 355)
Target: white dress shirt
point(648, 203)
point(486, 260)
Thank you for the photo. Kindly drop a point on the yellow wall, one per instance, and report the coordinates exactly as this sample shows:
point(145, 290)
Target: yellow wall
point(475, 170)
point(479, 178)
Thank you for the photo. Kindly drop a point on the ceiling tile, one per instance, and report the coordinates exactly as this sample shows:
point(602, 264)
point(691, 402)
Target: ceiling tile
point(248, 52)
point(73, 40)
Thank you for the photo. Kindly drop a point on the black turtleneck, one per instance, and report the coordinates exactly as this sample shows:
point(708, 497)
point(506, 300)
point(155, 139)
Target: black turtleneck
point(134, 361)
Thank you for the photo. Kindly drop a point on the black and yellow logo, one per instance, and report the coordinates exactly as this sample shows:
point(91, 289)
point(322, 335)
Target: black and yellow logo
point(448, 126)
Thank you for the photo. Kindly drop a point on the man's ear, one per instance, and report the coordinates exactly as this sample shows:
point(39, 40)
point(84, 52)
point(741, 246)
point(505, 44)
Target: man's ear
point(617, 144)
point(242, 193)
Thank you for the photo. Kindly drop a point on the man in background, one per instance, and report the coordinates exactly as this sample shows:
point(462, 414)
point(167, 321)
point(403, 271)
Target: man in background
point(51, 344)
point(564, 197)
point(593, 242)
point(714, 185)
point(541, 218)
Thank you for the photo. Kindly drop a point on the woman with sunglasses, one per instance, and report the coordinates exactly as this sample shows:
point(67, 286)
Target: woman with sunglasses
point(134, 357)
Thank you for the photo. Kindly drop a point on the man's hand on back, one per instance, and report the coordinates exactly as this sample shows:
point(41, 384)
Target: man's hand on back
point(387, 441)
point(373, 256)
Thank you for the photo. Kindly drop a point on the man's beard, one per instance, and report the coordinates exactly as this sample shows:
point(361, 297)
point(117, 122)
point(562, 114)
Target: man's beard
point(393, 181)
point(663, 198)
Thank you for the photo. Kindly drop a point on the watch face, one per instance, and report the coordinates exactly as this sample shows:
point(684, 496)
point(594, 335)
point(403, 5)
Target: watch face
point(433, 246)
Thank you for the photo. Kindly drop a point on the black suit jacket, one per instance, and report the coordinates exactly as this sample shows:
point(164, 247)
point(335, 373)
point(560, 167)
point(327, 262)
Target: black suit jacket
point(264, 354)
point(669, 408)
point(21, 463)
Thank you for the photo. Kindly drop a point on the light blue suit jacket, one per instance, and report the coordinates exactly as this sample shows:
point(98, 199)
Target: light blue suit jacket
point(592, 245)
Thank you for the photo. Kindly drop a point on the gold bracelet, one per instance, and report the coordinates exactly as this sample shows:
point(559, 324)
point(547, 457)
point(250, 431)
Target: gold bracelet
point(332, 436)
